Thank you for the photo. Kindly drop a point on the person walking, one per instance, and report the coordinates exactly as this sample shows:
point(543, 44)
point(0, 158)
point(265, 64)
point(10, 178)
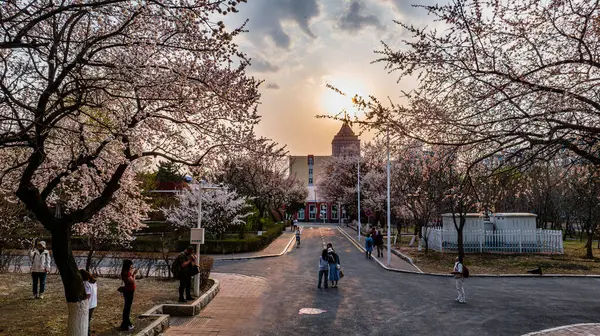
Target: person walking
point(323, 269)
point(128, 289)
point(334, 267)
point(297, 237)
point(40, 267)
point(459, 278)
point(183, 269)
point(91, 289)
point(378, 238)
point(369, 246)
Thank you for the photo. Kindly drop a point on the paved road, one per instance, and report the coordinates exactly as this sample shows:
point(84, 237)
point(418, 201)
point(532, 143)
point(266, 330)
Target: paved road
point(372, 301)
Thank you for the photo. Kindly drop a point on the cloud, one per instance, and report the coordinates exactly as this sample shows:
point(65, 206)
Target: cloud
point(273, 86)
point(261, 65)
point(268, 19)
point(353, 19)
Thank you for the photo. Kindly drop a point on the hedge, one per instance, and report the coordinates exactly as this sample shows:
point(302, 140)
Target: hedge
point(153, 244)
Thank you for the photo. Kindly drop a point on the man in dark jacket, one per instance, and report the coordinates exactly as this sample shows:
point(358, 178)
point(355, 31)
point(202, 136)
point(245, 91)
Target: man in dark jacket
point(183, 267)
point(378, 238)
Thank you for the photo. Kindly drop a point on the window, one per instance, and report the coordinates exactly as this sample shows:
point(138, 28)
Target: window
point(310, 180)
point(310, 161)
point(301, 214)
point(323, 211)
point(334, 211)
point(310, 171)
point(312, 211)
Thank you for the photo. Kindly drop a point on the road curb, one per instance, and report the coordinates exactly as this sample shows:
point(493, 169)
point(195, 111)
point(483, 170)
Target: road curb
point(472, 275)
point(541, 332)
point(260, 256)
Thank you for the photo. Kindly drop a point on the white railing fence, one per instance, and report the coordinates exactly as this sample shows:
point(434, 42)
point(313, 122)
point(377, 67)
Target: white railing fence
point(479, 241)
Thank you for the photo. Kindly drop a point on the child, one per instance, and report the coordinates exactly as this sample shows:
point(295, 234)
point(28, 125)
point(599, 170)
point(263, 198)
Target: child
point(369, 245)
point(323, 268)
point(91, 289)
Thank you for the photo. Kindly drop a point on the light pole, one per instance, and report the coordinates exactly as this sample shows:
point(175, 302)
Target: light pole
point(389, 250)
point(358, 187)
point(201, 187)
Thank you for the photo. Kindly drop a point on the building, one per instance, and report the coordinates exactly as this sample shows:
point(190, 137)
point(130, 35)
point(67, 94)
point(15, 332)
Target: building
point(307, 168)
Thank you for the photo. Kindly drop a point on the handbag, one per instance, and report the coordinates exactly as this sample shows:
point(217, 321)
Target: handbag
point(341, 274)
point(121, 289)
point(194, 270)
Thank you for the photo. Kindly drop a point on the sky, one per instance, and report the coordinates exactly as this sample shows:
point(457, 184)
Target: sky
point(299, 46)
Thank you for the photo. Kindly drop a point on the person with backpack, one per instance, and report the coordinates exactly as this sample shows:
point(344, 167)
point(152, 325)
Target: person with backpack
point(183, 269)
point(323, 268)
point(460, 272)
point(40, 267)
point(369, 246)
point(91, 289)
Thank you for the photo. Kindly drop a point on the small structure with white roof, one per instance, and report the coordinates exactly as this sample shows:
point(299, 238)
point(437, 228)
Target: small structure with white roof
point(500, 232)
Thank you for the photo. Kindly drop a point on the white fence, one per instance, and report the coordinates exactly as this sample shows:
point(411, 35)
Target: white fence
point(478, 241)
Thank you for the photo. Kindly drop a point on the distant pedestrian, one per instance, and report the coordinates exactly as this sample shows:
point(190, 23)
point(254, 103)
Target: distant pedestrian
point(459, 278)
point(297, 238)
point(323, 269)
point(334, 267)
point(378, 238)
point(128, 289)
point(369, 246)
point(40, 267)
point(183, 269)
point(295, 225)
point(91, 289)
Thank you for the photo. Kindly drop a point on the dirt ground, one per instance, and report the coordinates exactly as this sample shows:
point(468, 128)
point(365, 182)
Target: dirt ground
point(22, 315)
point(572, 262)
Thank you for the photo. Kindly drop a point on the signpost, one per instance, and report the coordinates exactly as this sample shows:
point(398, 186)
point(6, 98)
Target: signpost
point(369, 213)
point(197, 236)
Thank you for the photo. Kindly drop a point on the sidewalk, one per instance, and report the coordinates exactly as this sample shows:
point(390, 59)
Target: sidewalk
point(583, 329)
point(396, 261)
point(234, 311)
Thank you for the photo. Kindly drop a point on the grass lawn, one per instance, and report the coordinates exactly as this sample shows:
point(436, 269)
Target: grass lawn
point(572, 262)
point(20, 314)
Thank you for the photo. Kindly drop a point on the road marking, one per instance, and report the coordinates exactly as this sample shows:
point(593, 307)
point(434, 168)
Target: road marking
point(311, 311)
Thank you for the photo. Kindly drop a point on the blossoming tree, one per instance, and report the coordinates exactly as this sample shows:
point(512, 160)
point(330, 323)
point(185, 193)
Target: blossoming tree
point(221, 209)
point(90, 88)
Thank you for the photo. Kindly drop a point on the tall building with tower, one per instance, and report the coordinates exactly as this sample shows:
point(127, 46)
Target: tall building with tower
point(307, 168)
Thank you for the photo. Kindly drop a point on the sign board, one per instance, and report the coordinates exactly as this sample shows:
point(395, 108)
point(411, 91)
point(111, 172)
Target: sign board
point(259, 233)
point(369, 213)
point(197, 236)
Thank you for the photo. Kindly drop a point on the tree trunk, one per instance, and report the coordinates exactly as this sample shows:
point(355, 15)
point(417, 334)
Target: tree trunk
point(461, 247)
point(90, 255)
point(588, 246)
point(74, 291)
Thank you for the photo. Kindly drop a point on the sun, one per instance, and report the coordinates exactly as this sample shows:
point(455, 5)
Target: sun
point(334, 103)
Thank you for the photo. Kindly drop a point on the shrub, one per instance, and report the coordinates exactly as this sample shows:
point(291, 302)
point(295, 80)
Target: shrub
point(205, 264)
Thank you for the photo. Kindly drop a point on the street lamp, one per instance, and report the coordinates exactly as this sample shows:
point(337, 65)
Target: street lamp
point(389, 250)
point(201, 187)
point(358, 188)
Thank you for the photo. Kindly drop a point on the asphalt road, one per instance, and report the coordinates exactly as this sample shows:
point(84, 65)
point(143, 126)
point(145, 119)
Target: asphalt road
point(372, 301)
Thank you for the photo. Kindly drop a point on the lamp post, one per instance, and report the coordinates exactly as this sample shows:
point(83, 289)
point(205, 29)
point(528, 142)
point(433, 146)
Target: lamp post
point(358, 188)
point(389, 225)
point(201, 187)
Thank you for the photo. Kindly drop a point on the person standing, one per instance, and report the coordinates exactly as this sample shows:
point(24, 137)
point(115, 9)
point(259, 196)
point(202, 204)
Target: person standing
point(459, 278)
point(369, 246)
point(183, 270)
point(334, 267)
point(323, 268)
point(91, 289)
point(40, 266)
point(378, 238)
point(128, 277)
